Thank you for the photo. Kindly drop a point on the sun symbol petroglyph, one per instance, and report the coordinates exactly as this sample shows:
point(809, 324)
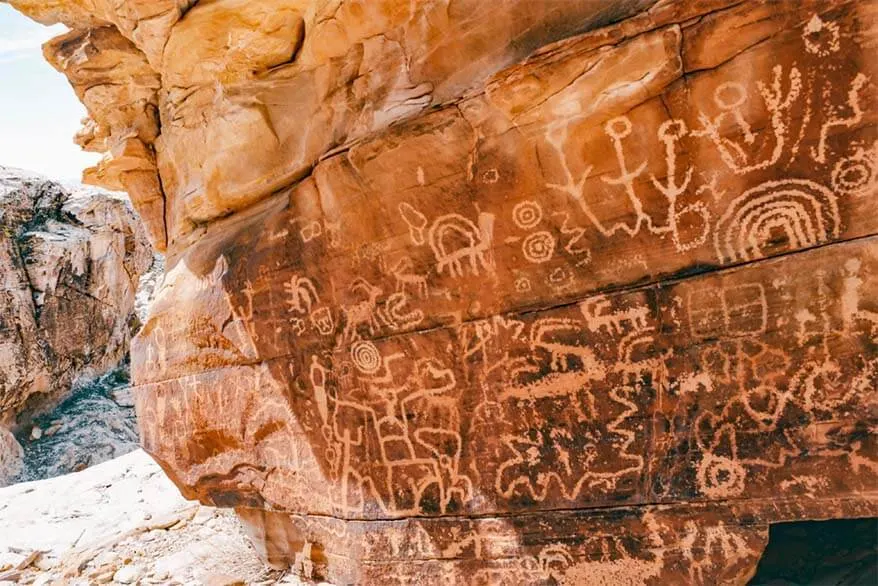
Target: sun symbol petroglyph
point(801, 212)
point(527, 214)
point(366, 357)
point(538, 247)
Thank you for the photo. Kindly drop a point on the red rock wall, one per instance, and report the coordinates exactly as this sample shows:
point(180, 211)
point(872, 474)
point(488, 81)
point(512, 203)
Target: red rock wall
point(599, 317)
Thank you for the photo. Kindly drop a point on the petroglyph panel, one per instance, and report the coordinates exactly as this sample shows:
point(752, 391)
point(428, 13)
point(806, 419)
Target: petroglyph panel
point(773, 380)
point(638, 268)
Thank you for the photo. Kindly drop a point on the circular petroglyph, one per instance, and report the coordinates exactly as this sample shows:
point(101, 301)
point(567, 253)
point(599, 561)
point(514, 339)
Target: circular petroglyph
point(366, 357)
point(618, 127)
point(527, 214)
point(853, 175)
point(522, 284)
point(491, 176)
point(720, 477)
point(729, 95)
point(538, 247)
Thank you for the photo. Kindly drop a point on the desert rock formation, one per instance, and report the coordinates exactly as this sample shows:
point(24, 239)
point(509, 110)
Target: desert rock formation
point(500, 292)
point(70, 264)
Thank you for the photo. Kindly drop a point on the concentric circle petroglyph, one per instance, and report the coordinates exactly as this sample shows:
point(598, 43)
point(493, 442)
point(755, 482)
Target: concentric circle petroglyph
point(853, 175)
point(366, 357)
point(527, 214)
point(803, 211)
point(538, 247)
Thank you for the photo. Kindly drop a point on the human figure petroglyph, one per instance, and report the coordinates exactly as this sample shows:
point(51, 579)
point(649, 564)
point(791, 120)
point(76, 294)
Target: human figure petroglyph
point(618, 129)
point(851, 312)
point(821, 38)
point(729, 98)
point(803, 212)
point(457, 243)
point(836, 119)
point(318, 375)
point(670, 132)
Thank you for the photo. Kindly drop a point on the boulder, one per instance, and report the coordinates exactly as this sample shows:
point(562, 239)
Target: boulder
point(507, 292)
point(70, 261)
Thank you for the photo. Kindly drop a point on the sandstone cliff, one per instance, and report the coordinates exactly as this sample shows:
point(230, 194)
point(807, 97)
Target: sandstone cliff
point(500, 292)
point(70, 265)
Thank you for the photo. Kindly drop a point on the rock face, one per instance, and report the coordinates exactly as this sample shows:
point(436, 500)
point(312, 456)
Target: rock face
point(70, 264)
point(502, 292)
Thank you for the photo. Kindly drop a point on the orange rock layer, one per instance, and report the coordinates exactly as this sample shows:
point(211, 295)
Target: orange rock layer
point(515, 292)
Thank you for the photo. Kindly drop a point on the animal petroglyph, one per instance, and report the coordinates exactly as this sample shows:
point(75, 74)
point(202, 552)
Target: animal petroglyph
point(598, 318)
point(458, 243)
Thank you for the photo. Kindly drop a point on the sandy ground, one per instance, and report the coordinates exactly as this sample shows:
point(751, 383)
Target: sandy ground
point(121, 522)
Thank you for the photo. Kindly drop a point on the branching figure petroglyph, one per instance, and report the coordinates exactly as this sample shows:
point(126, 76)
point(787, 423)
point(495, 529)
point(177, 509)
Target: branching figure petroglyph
point(729, 98)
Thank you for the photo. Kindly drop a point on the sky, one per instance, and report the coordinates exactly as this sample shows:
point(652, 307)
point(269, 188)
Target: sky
point(39, 113)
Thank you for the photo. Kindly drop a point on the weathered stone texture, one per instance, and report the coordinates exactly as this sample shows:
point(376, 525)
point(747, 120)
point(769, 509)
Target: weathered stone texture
point(70, 265)
point(438, 311)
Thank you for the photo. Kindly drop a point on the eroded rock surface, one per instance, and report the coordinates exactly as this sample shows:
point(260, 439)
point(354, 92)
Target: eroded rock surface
point(70, 264)
point(518, 292)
